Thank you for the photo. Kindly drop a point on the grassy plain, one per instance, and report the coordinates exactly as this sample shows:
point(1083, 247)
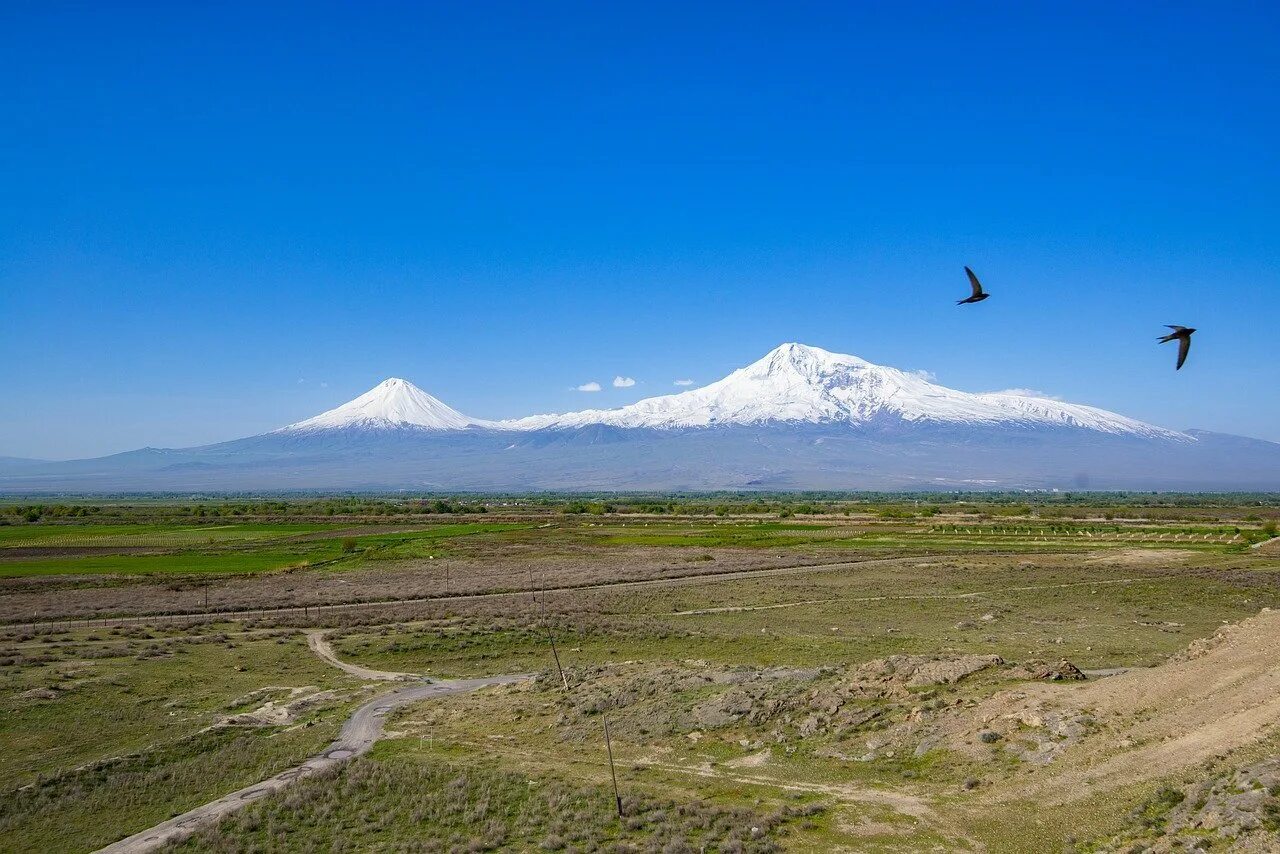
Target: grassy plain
point(710, 639)
point(109, 731)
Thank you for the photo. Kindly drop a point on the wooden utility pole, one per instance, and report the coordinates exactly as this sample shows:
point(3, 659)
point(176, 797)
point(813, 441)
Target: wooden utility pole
point(564, 680)
point(608, 746)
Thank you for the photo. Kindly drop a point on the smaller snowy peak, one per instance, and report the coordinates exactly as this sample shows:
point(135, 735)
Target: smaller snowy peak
point(392, 404)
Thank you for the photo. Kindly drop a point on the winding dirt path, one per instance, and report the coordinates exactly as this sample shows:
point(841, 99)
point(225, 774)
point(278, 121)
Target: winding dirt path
point(904, 803)
point(321, 647)
point(358, 735)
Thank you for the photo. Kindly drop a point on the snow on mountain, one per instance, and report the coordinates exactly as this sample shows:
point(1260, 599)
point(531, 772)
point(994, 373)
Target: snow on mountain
point(798, 383)
point(793, 383)
point(392, 404)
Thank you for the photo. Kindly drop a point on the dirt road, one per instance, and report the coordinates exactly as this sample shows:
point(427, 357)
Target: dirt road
point(321, 647)
point(358, 734)
point(974, 594)
point(318, 611)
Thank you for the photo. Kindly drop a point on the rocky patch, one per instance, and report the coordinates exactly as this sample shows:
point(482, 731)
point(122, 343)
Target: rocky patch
point(1063, 671)
point(1237, 811)
point(284, 711)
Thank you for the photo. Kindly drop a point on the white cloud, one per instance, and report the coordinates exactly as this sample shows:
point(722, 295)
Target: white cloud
point(1027, 392)
point(927, 376)
point(684, 382)
point(591, 386)
point(623, 382)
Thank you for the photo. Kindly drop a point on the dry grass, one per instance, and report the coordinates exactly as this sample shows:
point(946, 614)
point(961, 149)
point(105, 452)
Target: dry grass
point(399, 804)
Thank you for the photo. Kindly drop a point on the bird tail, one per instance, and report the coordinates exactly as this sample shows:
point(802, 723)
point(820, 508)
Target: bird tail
point(1165, 339)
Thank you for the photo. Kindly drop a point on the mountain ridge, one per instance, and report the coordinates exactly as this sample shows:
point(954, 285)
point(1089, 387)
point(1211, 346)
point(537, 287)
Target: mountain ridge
point(799, 418)
point(801, 383)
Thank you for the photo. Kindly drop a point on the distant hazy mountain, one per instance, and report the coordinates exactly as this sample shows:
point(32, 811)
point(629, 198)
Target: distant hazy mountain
point(799, 418)
point(11, 463)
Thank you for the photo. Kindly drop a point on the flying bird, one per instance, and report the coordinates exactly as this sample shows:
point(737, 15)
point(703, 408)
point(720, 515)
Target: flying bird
point(1183, 336)
point(978, 293)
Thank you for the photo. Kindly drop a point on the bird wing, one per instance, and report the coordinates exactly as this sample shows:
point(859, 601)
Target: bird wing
point(973, 282)
point(1175, 328)
point(1184, 346)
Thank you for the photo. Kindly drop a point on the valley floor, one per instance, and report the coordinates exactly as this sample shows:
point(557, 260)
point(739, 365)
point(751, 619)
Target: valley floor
point(860, 682)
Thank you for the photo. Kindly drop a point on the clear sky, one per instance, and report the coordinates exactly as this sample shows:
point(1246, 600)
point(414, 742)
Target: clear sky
point(219, 218)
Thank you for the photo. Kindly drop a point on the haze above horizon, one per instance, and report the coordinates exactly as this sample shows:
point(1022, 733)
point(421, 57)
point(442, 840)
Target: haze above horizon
point(225, 220)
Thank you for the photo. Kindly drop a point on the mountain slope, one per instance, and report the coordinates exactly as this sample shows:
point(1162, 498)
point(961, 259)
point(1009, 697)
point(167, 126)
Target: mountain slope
point(771, 456)
point(798, 383)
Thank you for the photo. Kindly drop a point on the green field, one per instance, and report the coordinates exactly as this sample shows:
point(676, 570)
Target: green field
point(153, 535)
point(215, 550)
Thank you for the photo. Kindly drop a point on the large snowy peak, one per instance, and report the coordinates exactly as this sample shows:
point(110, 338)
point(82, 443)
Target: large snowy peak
point(392, 404)
point(798, 383)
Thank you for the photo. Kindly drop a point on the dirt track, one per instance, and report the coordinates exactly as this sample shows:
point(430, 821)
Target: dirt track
point(318, 611)
point(321, 647)
point(358, 735)
point(908, 597)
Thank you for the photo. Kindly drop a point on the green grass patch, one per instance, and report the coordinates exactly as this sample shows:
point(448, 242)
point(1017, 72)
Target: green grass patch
point(394, 800)
point(238, 554)
point(91, 807)
point(144, 536)
point(182, 563)
point(65, 705)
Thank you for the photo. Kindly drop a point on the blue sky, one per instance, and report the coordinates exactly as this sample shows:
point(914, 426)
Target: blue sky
point(214, 221)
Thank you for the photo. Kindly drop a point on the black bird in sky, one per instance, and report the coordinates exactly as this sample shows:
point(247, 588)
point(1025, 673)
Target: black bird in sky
point(978, 293)
point(1183, 336)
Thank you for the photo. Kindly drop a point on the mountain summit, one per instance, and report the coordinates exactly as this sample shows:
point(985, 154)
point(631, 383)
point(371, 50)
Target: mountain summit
point(799, 383)
point(391, 404)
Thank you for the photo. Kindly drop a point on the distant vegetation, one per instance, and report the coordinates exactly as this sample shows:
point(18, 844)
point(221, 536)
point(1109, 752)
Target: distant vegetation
point(216, 508)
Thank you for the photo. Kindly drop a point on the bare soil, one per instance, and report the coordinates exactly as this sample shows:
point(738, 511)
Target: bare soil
point(37, 599)
point(1222, 695)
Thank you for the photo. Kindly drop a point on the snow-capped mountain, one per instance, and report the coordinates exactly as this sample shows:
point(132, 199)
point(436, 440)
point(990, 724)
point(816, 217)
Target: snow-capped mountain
point(800, 418)
point(391, 404)
point(793, 383)
point(798, 383)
